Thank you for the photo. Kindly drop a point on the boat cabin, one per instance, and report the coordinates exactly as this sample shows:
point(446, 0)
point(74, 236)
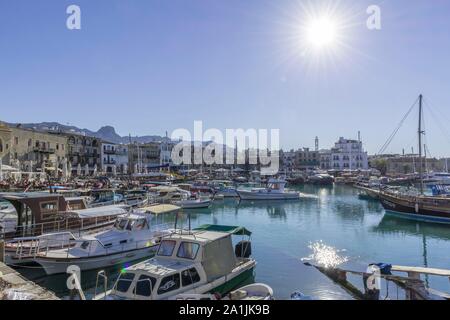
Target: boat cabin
point(195, 261)
point(41, 212)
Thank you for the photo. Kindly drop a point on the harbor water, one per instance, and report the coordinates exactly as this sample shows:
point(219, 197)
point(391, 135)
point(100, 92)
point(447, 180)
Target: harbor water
point(332, 227)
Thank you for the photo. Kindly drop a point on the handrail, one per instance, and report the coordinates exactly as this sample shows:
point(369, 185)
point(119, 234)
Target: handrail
point(102, 274)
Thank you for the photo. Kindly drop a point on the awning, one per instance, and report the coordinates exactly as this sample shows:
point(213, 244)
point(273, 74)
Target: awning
point(159, 209)
point(104, 211)
point(226, 229)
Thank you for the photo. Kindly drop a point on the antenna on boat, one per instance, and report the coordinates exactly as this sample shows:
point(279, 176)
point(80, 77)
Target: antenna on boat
point(420, 132)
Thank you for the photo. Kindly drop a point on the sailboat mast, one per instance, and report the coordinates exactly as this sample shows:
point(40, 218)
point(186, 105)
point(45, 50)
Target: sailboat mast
point(420, 132)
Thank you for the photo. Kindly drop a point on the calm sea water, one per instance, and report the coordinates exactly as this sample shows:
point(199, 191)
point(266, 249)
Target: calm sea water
point(335, 226)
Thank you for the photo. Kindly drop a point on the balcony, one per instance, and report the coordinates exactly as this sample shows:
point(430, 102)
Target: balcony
point(110, 161)
point(109, 151)
point(43, 150)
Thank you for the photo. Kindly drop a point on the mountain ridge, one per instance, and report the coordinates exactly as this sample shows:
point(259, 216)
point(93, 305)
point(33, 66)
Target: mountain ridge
point(106, 133)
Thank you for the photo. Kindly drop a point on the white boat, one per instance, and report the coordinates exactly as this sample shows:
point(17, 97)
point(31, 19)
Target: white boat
point(8, 218)
point(255, 291)
point(275, 190)
point(200, 203)
point(132, 238)
point(188, 262)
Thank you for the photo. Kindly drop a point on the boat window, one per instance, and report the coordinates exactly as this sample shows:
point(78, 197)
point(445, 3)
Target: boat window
point(139, 224)
point(189, 277)
point(124, 282)
point(166, 248)
point(144, 286)
point(130, 225)
point(85, 245)
point(188, 250)
point(169, 283)
point(121, 224)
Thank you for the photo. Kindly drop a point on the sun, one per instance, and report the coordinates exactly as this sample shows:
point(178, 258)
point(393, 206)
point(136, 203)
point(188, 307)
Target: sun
point(321, 32)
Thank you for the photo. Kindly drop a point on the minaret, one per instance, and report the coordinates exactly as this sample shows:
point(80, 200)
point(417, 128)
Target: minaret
point(317, 143)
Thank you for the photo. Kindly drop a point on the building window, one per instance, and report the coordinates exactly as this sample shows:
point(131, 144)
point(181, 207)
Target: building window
point(57, 146)
point(1, 145)
point(16, 140)
point(30, 142)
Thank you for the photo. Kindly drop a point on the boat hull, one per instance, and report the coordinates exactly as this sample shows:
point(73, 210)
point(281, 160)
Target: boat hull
point(408, 209)
point(56, 266)
point(248, 195)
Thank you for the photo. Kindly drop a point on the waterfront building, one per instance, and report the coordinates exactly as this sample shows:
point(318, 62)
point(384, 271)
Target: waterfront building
point(31, 150)
point(83, 151)
point(349, 154)
point(114, 158)
point(143, 157)
point(307, 159)
point(325, 159)
point(288, 160)
point(409, 164)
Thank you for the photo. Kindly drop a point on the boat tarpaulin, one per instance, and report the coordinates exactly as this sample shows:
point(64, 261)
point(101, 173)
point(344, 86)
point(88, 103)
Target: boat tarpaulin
point(100, 211)
point(226, 229)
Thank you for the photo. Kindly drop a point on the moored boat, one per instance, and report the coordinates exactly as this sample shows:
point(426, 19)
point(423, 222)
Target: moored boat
point(198, 261)
point(132, 238)
point(275, 190)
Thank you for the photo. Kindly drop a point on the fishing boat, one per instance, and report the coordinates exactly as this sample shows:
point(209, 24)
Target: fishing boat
point(225, 188)
point(200, 203)
point(321, 179)
point(275, 190)
point(132, 238)
point(195, 261)
point(417, 206)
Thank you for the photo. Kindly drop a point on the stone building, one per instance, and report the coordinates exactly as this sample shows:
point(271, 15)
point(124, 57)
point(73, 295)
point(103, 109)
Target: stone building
point(142, 157)
point(409, 164)
point(307, 159)
point(83, 151)
point(31, 150)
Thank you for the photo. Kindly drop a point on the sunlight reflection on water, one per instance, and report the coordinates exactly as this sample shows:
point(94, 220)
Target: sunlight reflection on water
point(325, 256)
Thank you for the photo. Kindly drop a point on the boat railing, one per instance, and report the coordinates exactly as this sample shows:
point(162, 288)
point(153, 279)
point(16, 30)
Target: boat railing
point(67, 224)
point(101, 274)
point(91, 248)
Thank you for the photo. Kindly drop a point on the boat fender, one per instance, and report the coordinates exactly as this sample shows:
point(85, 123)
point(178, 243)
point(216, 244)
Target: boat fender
point(384, 268)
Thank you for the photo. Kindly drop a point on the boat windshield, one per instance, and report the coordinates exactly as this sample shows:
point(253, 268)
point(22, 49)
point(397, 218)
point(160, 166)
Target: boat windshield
point(188, 250)
point(121, 224)
point(144, 286)
point(166, 248)
point(124, 282)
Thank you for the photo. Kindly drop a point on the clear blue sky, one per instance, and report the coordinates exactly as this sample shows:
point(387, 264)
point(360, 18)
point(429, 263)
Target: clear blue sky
point(147, 66)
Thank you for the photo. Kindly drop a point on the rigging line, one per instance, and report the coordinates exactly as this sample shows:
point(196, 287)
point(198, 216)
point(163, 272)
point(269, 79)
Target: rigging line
point(444, 116)
point(442, 127)
point(394, 133)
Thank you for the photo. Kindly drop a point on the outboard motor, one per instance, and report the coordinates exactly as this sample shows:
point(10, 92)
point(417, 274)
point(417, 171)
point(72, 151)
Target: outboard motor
point(243, 249)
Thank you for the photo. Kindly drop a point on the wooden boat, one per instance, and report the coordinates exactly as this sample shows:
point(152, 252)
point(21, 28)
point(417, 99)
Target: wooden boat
point(417, 206)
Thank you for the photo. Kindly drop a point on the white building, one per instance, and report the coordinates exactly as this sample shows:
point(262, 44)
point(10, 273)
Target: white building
point(114, 158)
point(348, 154)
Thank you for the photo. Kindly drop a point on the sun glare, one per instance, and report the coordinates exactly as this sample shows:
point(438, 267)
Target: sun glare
point(321, 32)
